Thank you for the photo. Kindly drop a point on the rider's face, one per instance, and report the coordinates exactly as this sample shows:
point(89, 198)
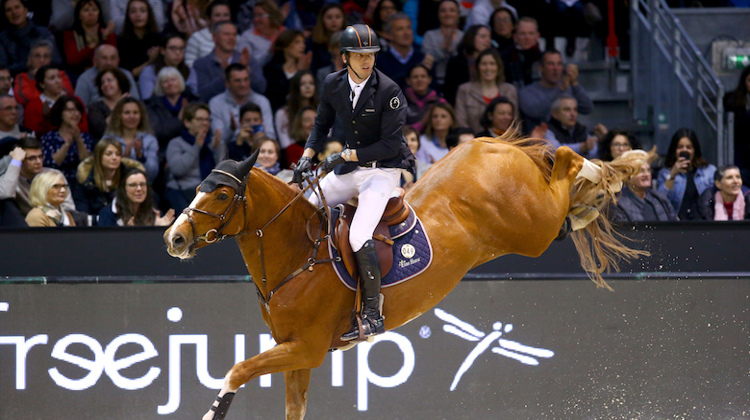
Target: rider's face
point(362, 64)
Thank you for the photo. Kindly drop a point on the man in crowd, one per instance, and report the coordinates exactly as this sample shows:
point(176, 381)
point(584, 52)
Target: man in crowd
point(105, 57)
point(521, 60)
point(403, 53)
point(16, 41)
point(201, 43)
point(564, 128)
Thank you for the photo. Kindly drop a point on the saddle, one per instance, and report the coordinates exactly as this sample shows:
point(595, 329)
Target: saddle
point(395, 212)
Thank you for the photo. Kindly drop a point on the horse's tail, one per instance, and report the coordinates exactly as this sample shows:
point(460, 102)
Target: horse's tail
point(598, 244)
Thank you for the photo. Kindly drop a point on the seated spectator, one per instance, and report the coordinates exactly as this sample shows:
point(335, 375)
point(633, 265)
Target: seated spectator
point(336, 63)
point(207, 78)
point(565, 130)
point(192, 155)
point(288, 58)
point(302, 93)
point(738, 101)
point(419, 96)
point(62, 15)
point(225, 107)
point(167, 104)
point(638, 202)
point(171, 54)
point(268, 157)
point(535, 100)
point(17, 171)
point(412, 140)
point(299, 129)
point(571, 23)
point(20, 35)
point(241, 144)
point(442, 43)
point(380, 15)
point(49, 190)
point(120, 11)
point(106, 57)
point(331, 19)
point(503, 24)
point(437, 123)
point(89, 31)
point(10, 131)
point(727, 199)
point(615, 143)
point(459, 136)
point(268, 23)
point(139, 41)
point(129, 125)
point(473, 97)
point(461, 68)
point(37, 113)
point(24, 85)
point(482, 10)
point(99, 175)
point(403, 53)
point(113, 85)
point(497, 117)
point(686, 174)
point(201, 42)
point(6, 81)
point(134, 204)
point(67, 146)
point(522, 58)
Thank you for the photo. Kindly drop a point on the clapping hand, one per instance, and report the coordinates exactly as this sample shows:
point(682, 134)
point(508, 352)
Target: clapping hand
point(165, 220)
point(138, 144)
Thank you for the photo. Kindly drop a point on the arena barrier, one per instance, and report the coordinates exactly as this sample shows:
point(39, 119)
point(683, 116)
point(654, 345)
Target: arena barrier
point(103, 324)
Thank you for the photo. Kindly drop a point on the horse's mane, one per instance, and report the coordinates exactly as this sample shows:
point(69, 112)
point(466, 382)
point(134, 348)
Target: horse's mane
point(538, 150)
point(275, 184)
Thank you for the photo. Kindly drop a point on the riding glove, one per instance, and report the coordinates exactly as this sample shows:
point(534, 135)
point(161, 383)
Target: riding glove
point(333, 161)
point(302, 170)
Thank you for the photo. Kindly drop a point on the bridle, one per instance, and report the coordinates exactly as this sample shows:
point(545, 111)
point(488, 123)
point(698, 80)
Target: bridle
point(225, 218)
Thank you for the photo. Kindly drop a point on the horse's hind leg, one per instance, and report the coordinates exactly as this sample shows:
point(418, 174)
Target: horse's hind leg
point(290, 356)
point(297, 384)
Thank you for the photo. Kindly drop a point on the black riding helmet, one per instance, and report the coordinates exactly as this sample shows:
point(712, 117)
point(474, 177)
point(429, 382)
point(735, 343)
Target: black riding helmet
point(359, 38)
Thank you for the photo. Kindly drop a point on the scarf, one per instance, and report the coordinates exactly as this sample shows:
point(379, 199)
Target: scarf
point(206, 155)
point(173, 109)
point(273, 170)
point(738, 209)
point(59, 217)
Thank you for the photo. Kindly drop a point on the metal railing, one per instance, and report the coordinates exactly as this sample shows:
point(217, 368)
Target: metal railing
point(673, 83)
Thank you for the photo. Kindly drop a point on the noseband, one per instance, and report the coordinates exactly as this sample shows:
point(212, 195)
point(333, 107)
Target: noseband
point(216, 235)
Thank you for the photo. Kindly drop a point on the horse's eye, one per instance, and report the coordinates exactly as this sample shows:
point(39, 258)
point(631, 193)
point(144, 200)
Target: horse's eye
point(222, 197)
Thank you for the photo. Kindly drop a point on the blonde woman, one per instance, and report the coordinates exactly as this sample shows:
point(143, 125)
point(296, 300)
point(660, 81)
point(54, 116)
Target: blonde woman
point(48, 192)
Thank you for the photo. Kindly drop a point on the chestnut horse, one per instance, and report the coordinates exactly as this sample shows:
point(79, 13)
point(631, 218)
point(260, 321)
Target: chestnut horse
point(486, 198)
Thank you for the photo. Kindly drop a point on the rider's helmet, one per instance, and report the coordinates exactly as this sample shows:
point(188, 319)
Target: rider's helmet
point(359, 38)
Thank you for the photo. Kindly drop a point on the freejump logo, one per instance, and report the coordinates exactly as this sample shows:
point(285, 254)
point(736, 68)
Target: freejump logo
point(104, 359)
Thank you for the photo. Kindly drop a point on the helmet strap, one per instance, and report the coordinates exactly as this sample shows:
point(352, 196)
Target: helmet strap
point(346, 53)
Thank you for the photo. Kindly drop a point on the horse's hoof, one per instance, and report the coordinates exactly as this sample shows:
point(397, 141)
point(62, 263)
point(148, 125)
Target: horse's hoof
point(220, 407)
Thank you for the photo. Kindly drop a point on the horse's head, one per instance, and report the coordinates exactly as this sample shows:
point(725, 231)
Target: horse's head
point(218, 210)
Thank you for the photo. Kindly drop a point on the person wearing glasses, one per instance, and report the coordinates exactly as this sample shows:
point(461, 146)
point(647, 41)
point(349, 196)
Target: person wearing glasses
point(615, 143)
point(134, 204)
point(10, 130)
point(48, 192)
point(171, 54)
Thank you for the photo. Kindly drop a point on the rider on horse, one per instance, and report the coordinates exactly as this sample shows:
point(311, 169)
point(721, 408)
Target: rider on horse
point(372, 110)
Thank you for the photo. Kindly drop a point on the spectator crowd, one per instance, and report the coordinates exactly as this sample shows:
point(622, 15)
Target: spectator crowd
point(113, 111)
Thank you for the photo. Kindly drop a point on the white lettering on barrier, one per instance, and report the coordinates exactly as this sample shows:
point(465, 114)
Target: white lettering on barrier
point(95, 367)
point(112, 366)
point(266, 343)
point(22, 349)
point(365, 375)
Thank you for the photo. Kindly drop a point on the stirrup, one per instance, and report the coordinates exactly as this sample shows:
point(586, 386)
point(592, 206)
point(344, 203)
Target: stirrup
point(366, 327)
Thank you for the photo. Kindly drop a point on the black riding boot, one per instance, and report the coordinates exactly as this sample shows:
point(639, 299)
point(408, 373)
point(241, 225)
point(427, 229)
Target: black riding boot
point(369, 281)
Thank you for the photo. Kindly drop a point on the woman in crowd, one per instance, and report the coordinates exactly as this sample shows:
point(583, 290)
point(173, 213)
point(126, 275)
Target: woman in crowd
point(461, 68)
point(267, 25)
point(497, 117)
point(383, 10)
point(67, 146)
point(139, 42)
point(727, 199)
point(638, 202)
point(36, 116)
point(302, 93)
point(503, 23)
point(299, 129)
point(48, 192)
point(24, 85)
point(419, 96)
point(268, 157)
point(442, 42)
point(113, 85)
point(738, 102)
point(192, 155)
point(686, 174)
point(615, 143)
point(473, 97)
point(171, 54)
point(99, 175)
point(134, 204)
point(331, 19)
point(166, 105)
point(289, 57)
point(89, 31)
point(129, 125)
point(437, 123)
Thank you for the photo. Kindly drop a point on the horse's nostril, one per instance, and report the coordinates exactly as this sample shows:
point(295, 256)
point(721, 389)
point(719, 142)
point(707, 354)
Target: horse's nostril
point(178, 239)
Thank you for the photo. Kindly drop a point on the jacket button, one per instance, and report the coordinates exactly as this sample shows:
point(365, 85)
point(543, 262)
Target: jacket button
point(357, 142)
point(354, 121)
point(356, 132)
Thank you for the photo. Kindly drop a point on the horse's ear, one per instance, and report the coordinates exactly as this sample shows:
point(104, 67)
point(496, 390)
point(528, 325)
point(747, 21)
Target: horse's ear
point(246, 165)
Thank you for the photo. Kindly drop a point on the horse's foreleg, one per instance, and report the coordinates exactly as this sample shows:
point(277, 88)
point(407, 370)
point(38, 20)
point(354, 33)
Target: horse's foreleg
point(283, 357)
point(297, 384)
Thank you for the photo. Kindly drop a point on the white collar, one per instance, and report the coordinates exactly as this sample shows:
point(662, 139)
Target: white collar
point(357, 87)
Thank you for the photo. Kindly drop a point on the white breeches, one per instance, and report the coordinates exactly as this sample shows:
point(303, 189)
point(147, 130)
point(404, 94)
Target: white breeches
point(375, 187)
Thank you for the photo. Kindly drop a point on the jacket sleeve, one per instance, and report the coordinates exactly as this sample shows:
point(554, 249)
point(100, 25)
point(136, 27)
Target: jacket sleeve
point(462, 119)
point(151, 156)
point(182, 159)
point(9, 180)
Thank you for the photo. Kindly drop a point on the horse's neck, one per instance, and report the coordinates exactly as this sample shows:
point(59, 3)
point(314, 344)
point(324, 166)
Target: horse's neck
point(284, 240)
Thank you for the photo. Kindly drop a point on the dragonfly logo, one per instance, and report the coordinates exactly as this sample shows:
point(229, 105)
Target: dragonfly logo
point(511, 349)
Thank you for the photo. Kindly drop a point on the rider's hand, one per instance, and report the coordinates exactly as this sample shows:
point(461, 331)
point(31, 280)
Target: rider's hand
point(302, 169)
point(333, 161)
